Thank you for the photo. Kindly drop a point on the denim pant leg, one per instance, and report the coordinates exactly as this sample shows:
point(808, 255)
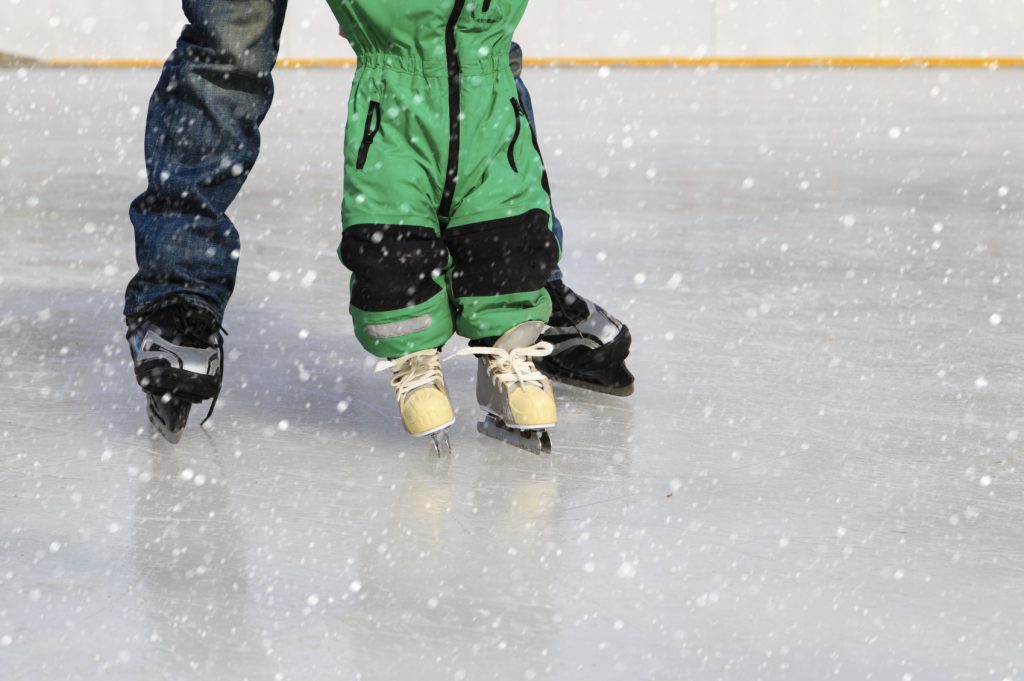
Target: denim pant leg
point(556, 224)
point(202, 139)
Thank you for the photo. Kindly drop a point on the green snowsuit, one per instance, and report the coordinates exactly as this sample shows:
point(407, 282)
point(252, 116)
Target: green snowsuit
point(446, 213)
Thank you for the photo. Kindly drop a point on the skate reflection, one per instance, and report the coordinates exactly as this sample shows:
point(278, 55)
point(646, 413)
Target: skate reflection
point(189, 556)
point(457, 578)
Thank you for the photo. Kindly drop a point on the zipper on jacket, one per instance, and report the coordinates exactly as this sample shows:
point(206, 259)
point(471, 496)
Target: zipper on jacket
point(370, 130)
point(515, 136)
point(454, 109)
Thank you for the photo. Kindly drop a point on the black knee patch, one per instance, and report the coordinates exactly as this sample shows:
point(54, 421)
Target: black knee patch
point(394, 265)
point(510, 255)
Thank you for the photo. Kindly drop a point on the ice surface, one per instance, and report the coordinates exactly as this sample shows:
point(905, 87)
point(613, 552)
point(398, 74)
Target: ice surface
point(819, 475)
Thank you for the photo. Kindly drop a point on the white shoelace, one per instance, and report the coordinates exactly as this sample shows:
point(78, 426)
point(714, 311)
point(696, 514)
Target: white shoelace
point(515, 366)
point(412, 371)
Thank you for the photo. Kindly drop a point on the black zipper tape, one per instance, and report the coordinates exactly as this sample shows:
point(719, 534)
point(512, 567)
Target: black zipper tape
point(370, 130)
point(515, 137)
point(454, 109)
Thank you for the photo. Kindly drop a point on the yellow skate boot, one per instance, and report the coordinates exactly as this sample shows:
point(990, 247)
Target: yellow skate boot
point(421, 394)
point(517, 397)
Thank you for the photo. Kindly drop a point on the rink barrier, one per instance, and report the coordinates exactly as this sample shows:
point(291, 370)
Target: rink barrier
point(991, 63)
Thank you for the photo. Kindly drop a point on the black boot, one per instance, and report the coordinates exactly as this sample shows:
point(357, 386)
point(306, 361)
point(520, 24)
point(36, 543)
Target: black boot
point(178, 355)
point(591, 346)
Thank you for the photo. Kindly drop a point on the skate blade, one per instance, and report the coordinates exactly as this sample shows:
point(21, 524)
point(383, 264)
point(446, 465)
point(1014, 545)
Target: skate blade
point(535, 440)
point(168, 418)
point(442, 445)
point(439, 436)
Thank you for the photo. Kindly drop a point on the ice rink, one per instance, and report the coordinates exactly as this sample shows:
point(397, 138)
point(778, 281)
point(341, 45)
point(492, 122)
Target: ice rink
point(819, 475)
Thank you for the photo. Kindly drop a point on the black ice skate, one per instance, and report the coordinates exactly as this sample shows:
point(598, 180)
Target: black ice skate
point(591, 346)
point(178, 354)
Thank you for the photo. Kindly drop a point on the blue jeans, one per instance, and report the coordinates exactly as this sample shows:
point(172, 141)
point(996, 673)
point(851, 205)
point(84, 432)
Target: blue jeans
point(202, 139)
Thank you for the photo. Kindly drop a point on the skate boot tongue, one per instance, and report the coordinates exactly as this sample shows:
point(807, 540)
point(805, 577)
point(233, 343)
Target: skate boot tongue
point(508, 361)
point(520, 336)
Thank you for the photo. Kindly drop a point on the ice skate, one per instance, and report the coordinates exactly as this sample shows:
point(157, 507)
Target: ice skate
point(518, 399)
point(422, 396)
point(178, 356)
point(590, 346)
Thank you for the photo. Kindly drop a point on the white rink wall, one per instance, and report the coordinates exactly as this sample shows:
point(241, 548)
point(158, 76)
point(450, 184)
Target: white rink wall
point(146, 29)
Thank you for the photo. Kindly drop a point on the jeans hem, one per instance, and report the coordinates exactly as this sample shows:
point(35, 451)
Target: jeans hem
point(190, 299)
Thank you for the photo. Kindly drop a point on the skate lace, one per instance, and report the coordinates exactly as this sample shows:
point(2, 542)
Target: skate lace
point(221, 332)
point(195, 329)
point(512, 366)
point(412, 371)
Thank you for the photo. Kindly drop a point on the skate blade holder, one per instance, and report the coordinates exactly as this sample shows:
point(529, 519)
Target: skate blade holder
point(439, 438)
point(168, 415)
point(537, 440)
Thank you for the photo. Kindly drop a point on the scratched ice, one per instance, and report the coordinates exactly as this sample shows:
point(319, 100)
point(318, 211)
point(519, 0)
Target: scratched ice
point(819, 475)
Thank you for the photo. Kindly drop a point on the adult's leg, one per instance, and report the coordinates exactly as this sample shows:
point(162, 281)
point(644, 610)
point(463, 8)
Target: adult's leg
point(202, 139)
point(591, 346)
point(516, 63)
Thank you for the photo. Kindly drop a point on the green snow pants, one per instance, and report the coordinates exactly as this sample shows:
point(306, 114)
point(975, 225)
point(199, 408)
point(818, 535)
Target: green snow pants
point(446, 214)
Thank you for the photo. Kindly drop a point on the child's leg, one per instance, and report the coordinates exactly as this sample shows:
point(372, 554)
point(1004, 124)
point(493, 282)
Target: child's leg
point(500, 232)
point(437, 138)
point(499, 271)
point(400, 310)
point(398, 300)
point(504, 252)
point(391, 240)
